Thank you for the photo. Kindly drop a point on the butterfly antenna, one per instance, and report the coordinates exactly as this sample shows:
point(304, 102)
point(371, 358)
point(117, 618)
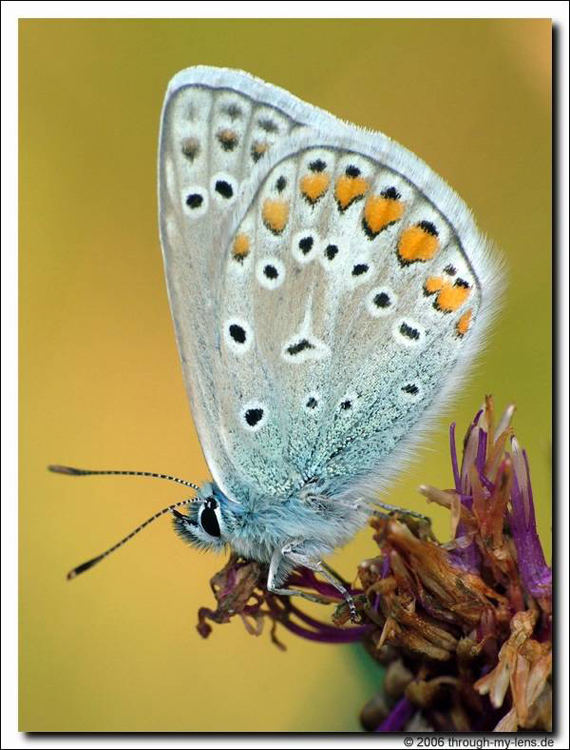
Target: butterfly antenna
point(90, 563)
point(73, 472)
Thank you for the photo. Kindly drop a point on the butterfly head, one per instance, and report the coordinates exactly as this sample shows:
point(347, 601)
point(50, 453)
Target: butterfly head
point(205, 524)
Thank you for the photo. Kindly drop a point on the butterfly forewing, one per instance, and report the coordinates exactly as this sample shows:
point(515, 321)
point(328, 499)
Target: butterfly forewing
point(212, 138)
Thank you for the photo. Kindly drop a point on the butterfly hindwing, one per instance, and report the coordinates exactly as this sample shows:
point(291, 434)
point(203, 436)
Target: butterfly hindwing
point(322, 310)
point(357, 298)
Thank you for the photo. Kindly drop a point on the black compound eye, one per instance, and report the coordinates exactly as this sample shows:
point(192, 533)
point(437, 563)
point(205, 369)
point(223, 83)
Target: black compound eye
point(209, 519)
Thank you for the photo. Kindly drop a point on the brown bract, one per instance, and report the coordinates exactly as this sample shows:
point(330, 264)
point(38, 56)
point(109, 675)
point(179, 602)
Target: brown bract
point(464, 628)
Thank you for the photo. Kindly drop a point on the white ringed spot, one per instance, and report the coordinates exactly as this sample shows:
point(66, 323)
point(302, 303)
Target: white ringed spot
point(411, 391)
point(270, 272)
point(305, 246)
point(312, 402)
point(238, 335)
point(407, 332)
point(360, 272)
point(304, 348)
point(381, 301)
point(223, 188)
point(347, 403)
point(195, 200)
point(253, 416)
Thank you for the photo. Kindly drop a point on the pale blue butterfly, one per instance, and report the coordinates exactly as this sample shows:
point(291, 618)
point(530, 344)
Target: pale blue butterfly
point(327, 289)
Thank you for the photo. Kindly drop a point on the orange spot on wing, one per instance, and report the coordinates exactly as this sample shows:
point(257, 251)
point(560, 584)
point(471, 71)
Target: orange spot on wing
point(349, 189)
point(190, 147)
point(451, 297)
point(417, 244)
point(314, 186)
point(464, 323)
point(433, 284)
point(380, 212)
point(228, 138)
point(275, 214)
point(241, 246)
point(258, 149)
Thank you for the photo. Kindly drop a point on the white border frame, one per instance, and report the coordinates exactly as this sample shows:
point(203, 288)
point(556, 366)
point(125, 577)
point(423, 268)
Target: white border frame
point(11, 12)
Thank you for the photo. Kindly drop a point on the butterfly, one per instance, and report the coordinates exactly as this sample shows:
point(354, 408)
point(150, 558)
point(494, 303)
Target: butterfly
point(327, 290)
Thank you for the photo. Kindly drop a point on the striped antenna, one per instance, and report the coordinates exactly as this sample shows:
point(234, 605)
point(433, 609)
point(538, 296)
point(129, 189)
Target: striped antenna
point(73, 472)
point(90, 563)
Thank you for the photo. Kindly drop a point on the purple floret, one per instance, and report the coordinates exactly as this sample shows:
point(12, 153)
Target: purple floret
point(398, 717)
point(535, 574)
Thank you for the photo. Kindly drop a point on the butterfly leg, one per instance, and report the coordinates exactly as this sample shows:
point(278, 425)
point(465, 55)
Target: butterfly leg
point(318, 566)
point(274, 575)
point(326, 572)
point(403, 511)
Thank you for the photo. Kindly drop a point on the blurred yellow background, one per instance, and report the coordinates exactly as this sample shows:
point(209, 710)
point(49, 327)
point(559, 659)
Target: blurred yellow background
point(100, 381)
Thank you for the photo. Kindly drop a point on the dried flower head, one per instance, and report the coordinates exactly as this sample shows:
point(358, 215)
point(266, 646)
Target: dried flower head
point(464, 628)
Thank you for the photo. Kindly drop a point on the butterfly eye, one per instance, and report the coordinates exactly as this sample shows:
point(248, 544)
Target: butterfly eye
point(209, 518)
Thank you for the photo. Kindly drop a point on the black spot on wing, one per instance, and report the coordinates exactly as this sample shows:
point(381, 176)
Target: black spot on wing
point(382, 300)
point(428, 227)
point(299, 346)
point(359, 269)
point(270, 272)
point(194, 200)
point(224, 189)
point(268, 125)
point(306, 244)
point(331, 252)
point(409, 332)
point(237, 333)
point(391, 193)
point(317, 166)
point(411, 388)
point(253, 416)
point(233, 111)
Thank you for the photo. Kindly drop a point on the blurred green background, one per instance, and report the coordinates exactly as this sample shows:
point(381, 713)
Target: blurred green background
point(100, 382)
